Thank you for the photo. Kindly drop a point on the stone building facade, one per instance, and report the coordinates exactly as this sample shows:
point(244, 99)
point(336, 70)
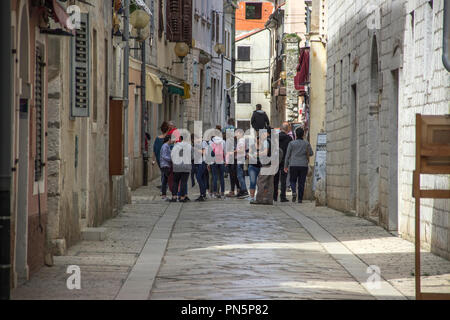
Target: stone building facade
point(80, 187)
point(384, 65)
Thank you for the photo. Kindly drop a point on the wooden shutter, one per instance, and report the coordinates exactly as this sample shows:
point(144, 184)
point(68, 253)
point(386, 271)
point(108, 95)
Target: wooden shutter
point(217, 27)
point(208, 77)
point(195, 74)
point(39, 105)
point(243, 53)
point(174, 16)
point(213, 33)
point(116, 138)
point(244, 93)
point(80, 69)
point(187, 22)
point(160, 19)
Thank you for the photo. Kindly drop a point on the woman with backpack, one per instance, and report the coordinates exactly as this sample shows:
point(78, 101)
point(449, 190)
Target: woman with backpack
point(218, 167)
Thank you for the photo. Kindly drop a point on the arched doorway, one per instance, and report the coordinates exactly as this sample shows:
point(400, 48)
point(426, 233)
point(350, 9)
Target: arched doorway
point(21, 261)
point(374, 134)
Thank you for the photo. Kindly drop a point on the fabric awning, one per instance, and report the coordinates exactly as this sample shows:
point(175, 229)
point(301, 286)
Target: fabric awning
point(302, 77)
point(153, 88)
point(62, 17)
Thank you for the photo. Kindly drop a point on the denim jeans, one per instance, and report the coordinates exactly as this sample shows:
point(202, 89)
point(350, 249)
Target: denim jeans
point(241, 177)
point(253, 172)
point(164, 180)
point(180, 180)
point(201, 178)
point(218, 173)
point(298, 174)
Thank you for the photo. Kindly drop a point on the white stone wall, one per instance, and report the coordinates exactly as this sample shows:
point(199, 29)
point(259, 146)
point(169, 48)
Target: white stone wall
point(363, 142)
point(256, 72)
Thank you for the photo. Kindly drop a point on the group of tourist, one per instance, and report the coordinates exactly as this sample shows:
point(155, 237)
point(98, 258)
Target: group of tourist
point(210, 162)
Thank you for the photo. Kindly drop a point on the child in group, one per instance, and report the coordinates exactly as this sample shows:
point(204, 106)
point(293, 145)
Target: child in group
point(165, 164)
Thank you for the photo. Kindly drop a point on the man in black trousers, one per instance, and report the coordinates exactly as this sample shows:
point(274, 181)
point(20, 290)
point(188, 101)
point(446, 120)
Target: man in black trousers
point(284, 139)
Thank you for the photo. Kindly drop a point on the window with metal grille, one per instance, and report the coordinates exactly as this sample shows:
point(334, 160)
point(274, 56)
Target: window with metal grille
point(253, 10)
point(39, 105)
point(80, 69)
point(243, 53)
point(244, 93)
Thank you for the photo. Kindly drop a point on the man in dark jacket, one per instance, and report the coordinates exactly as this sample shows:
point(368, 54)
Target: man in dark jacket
point(284, 139)
point(260, 120)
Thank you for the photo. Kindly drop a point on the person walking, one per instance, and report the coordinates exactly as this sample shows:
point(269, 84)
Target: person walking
point(296, 162)
point(259, 119)
point(254, 167)
point(232, 170)
point(165, 165)
point(181, 171)
point(280, 176)
point(218, 167)
point(265, 177)
point(240, 162)
point(200, 147)
point(157, 145)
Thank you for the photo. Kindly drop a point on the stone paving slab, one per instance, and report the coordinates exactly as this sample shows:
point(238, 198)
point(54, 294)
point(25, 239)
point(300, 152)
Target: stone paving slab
point(375, 246)
point(104, 265)
point(239, 251)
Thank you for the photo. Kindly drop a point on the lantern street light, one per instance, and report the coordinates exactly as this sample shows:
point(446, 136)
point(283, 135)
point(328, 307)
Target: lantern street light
point(140, 19)
point(181, 50)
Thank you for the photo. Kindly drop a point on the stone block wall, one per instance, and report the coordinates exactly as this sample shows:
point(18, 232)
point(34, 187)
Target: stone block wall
point(381, 73)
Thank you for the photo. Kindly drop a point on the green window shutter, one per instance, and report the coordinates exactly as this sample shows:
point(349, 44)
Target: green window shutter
point(39, 105)
point(80, 63)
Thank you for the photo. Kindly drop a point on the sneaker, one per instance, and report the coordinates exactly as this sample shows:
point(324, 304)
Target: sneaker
point(231, 194)
point(200, 199)
point(187, 199)
point(294, 197)
point(183, 200)
point(284, 200)
point(243, 195)
point(250, 198)
point(173, 200)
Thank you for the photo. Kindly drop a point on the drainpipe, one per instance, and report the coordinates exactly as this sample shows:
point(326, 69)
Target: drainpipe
point(5, 150)
point(446, 41)
point(126, 74)
point(143, 115)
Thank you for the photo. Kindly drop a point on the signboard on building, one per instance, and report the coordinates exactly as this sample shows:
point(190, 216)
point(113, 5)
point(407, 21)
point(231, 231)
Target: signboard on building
point(321, 160)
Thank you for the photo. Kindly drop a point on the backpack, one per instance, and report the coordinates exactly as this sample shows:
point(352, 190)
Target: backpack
point(217, 150)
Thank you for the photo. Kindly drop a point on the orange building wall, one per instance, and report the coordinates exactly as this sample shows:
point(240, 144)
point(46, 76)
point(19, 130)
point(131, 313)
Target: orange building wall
point(243, 24)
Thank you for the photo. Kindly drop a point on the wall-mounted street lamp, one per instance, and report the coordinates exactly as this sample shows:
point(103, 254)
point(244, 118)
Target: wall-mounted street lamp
point(140, 19)
point(181, 50)
point(219, 49)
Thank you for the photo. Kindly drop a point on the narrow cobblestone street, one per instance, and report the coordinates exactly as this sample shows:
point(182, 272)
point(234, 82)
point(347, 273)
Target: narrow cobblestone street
point(229, 249)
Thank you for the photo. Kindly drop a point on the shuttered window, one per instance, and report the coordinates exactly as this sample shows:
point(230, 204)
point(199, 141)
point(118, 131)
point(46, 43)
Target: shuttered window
point(179, 21)
point(213, 33)
point(217, 27)
point(39, 105)
point(160, 19)
point(80, 69)
point(244, 93)
point(243, 53)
